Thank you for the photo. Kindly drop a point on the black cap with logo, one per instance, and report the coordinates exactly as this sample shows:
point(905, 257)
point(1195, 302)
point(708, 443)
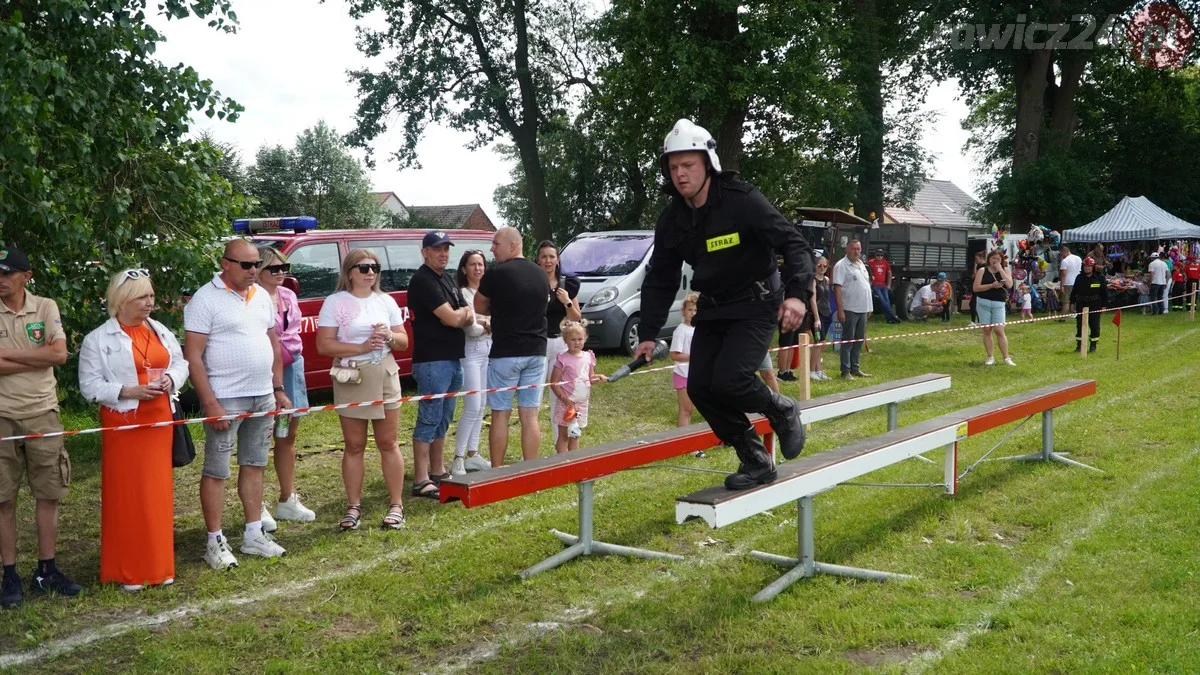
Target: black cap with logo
point(12, 259)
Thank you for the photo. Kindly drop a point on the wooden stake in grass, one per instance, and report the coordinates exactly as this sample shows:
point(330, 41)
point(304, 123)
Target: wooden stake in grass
point(1082, 343)
point(1193, 313)
point(805, 363)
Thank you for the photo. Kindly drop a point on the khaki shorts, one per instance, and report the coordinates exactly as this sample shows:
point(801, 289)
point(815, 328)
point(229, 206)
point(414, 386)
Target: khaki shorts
point(45, 459)
point(379, 381)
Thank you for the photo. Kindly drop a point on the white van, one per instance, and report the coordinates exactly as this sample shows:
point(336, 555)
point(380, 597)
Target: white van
point(610, 267)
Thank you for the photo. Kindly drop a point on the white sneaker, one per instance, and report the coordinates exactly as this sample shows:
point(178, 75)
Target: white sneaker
point(1009, 362)
point(269, 524)
point(292, 509)
point(262, 544)
point(168, 582)
point(218, 556)
point(132, 588)
point(991, 361)
point(457, 468)
point(476, 462)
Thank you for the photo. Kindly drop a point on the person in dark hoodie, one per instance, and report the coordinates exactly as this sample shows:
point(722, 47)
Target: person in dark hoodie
point(730, 235)
point(1091, 291)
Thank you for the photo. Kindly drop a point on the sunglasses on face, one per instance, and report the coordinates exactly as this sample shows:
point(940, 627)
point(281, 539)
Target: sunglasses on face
point(134, 274)
point(282, 268)
point(367, 268)
point(246, 264)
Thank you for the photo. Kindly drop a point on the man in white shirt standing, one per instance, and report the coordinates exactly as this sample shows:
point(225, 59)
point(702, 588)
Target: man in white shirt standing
point(852, 292)
point(235, 366)
point(1158, 284)
point(1069, 266)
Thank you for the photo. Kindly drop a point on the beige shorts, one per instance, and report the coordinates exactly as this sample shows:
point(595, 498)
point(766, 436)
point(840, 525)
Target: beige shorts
point(379, 381)
point(44, 459)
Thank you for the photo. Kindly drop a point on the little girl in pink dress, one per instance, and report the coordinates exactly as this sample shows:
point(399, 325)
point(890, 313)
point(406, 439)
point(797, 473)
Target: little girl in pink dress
point(573, 375)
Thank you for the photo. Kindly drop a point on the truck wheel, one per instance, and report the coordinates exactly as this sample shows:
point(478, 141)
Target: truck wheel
point(630, 336)
point(908, 291)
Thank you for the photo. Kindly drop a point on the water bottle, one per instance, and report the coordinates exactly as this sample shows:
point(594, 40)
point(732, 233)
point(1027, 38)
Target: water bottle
point(282, 425)
point(835, 334)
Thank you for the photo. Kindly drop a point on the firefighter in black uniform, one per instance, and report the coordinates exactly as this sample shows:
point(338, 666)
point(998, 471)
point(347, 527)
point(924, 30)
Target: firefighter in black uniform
point(730, 234)
point(1091, 291)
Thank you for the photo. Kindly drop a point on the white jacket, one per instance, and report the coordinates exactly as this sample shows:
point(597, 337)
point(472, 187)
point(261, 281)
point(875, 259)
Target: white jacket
point(106, 364)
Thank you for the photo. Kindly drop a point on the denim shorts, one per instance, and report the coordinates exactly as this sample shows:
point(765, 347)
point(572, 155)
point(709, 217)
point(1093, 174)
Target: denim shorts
point(511, 371)
point(294, 384)
point(990, 311)
point(434, 417)
point(252, 436)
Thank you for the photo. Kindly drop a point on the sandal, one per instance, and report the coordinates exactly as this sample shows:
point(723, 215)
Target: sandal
point(438, 478)
point(419, 490)
point(394, 520)
point(350, 520)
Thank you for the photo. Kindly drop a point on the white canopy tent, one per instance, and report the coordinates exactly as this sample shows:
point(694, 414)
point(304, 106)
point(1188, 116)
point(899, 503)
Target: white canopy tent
point(1133, 219)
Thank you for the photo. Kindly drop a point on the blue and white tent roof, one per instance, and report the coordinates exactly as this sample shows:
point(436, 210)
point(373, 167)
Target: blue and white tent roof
point(1133, 219)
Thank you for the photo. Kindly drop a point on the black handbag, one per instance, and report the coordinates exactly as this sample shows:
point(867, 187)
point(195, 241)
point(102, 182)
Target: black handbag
point(183, 450)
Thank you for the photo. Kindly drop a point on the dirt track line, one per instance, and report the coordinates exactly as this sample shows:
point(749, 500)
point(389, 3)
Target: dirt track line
point(66, 645)
point(1032, 577)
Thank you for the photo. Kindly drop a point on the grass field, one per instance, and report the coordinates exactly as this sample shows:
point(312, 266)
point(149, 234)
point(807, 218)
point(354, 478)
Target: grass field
point(1030, 568)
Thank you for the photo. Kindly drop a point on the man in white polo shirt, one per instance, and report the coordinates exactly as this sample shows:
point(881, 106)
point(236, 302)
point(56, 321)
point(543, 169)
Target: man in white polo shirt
point(235, 367)
point(1069, 267)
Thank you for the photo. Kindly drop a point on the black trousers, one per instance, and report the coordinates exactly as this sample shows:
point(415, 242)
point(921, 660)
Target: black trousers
point(1093, 325)
point(727, 349)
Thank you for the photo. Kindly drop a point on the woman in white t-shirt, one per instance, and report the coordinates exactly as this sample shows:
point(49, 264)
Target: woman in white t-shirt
point(475, 366)
point(681, 349)
point(358, 326)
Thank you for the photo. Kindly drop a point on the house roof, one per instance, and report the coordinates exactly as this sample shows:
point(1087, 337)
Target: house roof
point(451, 216)
point(382, 197)
point(939, 203)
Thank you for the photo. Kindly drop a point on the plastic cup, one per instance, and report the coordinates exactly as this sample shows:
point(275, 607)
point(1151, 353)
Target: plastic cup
point(154, 374)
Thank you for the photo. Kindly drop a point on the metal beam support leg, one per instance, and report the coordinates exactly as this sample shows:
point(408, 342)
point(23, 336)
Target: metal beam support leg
point(1048, 454)
point(584, 544)
point(806, 565)
point(951, 468)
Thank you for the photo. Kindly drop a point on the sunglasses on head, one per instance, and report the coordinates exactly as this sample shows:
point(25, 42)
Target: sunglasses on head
point(282, 268)
point(134, 274)
point(367, 268)
point(246, 264)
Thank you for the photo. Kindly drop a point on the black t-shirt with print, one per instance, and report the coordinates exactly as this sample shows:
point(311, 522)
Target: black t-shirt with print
point(432, 339)
point(555, 310)
point(518, 292)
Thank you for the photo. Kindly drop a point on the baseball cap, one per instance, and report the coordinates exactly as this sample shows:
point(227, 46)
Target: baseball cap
point(941, 275)
point(12, 259)
point(435, 238)
point(1154, 255)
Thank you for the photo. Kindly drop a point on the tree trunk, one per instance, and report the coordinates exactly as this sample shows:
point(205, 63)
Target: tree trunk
point(629, 215)
point(725, 119)
point(1029, 78)
point(866, 63)
point(1062, 111)
point(526, 135)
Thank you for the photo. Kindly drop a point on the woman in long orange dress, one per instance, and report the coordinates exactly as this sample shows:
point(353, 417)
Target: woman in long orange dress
point(131, 366)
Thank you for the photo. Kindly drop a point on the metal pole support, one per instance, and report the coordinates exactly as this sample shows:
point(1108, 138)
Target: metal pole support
point(1048, 454)
point(585, 544)
point(806, 564)
point(893, 412)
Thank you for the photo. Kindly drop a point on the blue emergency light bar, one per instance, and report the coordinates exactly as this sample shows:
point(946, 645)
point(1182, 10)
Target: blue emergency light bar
point(297, 224)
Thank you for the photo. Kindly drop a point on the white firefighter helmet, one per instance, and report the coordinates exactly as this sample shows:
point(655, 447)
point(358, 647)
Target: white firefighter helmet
point(686, 136)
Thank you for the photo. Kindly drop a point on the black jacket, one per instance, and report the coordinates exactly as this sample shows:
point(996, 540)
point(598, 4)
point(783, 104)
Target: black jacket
point(731, 242)
point(1090, 290)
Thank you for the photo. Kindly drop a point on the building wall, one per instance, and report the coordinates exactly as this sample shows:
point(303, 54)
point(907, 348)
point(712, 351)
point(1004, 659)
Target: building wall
point(479, 221)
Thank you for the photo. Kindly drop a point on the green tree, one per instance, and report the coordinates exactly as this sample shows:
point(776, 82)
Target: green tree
point(97, 173)
point(331, 183)
point(272, 183)
point(318, 177)
point(489, 68)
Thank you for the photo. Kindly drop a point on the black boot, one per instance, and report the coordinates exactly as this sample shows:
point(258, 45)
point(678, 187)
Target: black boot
point(1092, 346)
point(785, 420)
point(756, 467)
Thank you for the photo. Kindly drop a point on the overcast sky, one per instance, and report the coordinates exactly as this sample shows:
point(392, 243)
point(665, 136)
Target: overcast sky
point(287, 65)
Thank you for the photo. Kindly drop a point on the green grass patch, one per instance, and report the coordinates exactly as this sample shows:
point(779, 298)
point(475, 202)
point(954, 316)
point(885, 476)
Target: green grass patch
point(1030, 568)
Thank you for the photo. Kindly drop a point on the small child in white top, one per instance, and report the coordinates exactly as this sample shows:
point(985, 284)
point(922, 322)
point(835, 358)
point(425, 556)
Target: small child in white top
point(576, 370)
point(1026, 302)
point(681, 350)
